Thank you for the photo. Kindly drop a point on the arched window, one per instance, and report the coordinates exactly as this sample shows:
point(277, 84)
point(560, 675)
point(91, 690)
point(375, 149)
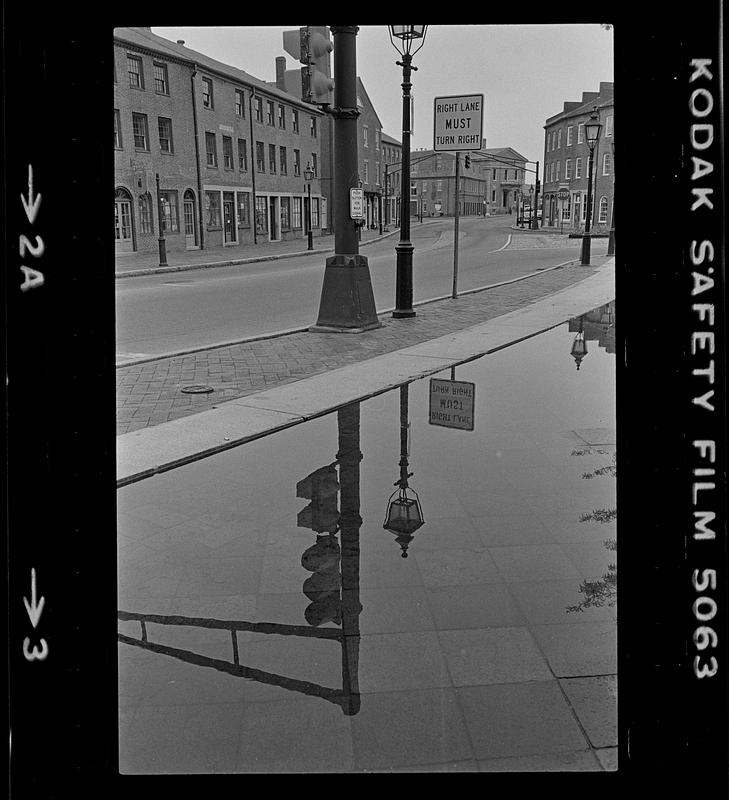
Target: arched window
point(602, 216)
point(146, 223)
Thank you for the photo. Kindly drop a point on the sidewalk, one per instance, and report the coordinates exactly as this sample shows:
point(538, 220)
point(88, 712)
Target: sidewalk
point(134, 264)
point(157, 392)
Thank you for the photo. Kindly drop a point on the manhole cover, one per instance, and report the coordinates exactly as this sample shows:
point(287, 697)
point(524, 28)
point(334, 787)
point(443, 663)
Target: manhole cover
point(197, 389)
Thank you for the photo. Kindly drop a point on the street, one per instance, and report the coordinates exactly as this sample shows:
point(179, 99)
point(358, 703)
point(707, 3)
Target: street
point(173, 312)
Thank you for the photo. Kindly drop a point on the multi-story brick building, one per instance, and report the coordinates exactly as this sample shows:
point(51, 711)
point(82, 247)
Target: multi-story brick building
point(566, 158)
point(504, 169)
point(229, 150)
point(391, 160)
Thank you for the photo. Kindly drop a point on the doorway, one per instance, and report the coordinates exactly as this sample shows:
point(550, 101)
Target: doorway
point(123, 222)
point(273, 219)
point(190, 218)
point(229, 228)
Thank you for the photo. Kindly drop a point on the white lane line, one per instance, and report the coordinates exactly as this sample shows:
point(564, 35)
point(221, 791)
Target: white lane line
point(503, 247)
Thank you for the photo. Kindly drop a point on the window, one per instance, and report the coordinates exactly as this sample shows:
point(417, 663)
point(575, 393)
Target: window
point(569, 134)
point(170, 218)
point(286, 213)
point(602, 214)
point(294, 120)
point(242, 155)
point(568, 169)
point(559, 138)
point(580, 132)
point(551, 172)
point(606, 163)
point(240, 103)
point(211, 150)
point(259, 109)
point(315, 164)
point(609, 126)
point(365, 133)
point(493, 195)
point(297, 213)
point(565, 208)
point(377, 173)
point(212, 206)
point(227, 152)
point(413, 189)
point(314, 212)
point(207, 92)
point(366, 178)
point(439, 186)
point(578, 168)
point(161, 83)
point(557, 171)
point(297, 163)
point(281, 117)
point(141, 131)
point(377, 139)
point(269, 111)
point(145, 213)
point(282, 165)
point(494, 175)
point(164, 126)
point(260, 158)
point(272, 159)
point(506, 174)
point(117, 130)
point(134, 68)
point(312, 127)
point(244, 209)
point(261, 215)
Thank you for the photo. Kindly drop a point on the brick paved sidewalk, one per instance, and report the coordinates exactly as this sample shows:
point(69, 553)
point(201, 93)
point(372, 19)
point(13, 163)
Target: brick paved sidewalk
point(151, 393)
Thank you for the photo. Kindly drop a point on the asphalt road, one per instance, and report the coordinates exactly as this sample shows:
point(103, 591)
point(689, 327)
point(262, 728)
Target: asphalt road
point(173, 312)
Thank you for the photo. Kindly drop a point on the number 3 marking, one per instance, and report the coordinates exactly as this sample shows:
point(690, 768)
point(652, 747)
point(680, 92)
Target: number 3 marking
point(35, 654)
point(704, 670)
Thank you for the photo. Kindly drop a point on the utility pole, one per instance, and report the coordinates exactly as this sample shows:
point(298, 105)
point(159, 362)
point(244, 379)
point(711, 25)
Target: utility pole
point(347, 301)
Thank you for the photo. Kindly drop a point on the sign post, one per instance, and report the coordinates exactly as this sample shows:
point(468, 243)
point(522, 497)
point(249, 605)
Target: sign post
point(457, 126)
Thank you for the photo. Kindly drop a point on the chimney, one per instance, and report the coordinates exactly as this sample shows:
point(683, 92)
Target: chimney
point(180, 41)
point(281, 73)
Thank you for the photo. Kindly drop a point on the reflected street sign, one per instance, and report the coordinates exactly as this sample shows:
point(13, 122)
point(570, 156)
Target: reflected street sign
point(452, 404)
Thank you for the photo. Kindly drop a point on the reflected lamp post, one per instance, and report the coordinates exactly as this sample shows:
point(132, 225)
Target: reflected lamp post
point(407, 35)
point(592, 134)
point(579, 346)
point(404, 514)
point(309, 177)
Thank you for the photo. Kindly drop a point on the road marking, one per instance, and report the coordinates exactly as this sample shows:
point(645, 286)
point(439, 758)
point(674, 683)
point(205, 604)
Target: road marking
point(508, 242)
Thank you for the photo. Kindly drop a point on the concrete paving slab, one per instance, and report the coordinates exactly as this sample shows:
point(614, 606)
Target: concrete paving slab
point(145, 452)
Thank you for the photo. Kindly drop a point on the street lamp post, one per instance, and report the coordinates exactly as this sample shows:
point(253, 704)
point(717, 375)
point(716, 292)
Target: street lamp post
point(592, 134)
point(408, 35)
point(160, 219)
point(309, 177)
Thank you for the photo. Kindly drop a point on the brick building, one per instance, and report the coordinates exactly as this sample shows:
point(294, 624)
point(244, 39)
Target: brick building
point(504, 168)
point(391, 159)
point(229, 149)
point(566, 157)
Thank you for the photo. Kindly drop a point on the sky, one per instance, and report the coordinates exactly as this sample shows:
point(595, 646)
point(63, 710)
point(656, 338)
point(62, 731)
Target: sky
point(525, 72)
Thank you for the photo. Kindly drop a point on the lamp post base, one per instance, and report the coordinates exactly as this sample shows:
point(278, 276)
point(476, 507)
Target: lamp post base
point(404, 281)
point(347, 301)
point(585, 257)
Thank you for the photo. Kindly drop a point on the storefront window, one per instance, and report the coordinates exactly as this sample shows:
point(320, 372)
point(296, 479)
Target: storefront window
point(212, 207)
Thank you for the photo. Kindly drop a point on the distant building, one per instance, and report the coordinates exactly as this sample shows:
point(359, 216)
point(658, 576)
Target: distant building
point(566, 157)
point(392, 158)
point(229, 149)
point(504, 168)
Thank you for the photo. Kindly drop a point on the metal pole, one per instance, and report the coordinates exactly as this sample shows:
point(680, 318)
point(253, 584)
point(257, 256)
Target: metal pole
point(309, 234)
point(535, 221)
point(404, 249)
point(162, 243)
point(455, 230)
point(611, 236)
point(585, 260)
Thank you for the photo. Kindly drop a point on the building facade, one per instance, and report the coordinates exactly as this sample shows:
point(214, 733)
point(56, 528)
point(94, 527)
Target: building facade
point(566, 164)
point(505, 170)
point(391, 161)
point(227, 150)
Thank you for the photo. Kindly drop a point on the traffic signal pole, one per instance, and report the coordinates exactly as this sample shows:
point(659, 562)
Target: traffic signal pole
point(347, 301)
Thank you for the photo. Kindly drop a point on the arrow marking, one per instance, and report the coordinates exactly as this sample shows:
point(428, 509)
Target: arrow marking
point(34, 609)
point(30, 205)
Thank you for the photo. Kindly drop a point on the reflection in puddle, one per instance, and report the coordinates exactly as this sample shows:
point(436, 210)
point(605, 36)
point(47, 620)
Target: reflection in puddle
point(267, 624)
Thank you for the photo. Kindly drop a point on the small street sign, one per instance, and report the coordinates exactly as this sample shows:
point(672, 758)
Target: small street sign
point(356, 203)
point(452, 404)
point(458, 122)
point(563, 193)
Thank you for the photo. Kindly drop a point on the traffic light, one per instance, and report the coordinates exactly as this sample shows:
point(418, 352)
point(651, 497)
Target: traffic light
point(467, 161)
point(311, 46)
point(321, 487)
point(323, 587)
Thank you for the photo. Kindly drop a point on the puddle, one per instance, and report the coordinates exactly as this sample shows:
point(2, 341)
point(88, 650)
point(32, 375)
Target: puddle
point(269, 622)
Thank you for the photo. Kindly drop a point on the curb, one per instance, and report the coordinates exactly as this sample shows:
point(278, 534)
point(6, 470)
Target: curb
point(136, 273)
point(291, 331)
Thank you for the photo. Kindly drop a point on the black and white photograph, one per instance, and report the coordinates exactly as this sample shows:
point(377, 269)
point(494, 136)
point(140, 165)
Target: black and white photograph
point(351, 439)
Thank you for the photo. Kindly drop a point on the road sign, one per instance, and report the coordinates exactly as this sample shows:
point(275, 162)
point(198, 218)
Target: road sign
point(451, 404)
point(356, 203)
point(563, 193)
point(458, 122)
